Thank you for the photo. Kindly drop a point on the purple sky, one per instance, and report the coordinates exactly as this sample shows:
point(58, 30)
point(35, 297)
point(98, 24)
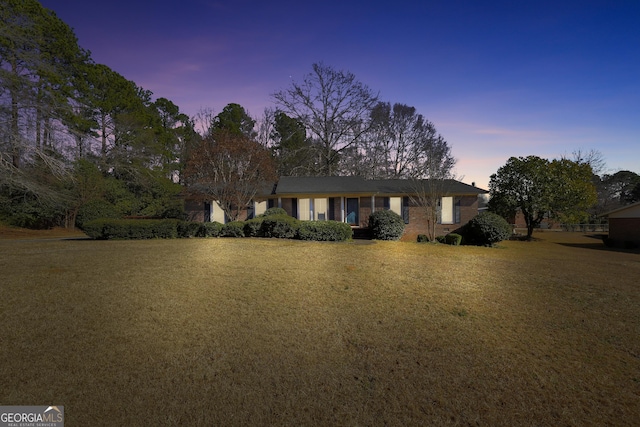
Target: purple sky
point(497, 78)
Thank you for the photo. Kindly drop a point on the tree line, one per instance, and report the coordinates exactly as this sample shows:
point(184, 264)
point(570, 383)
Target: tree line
point(78, 140)
point(77, 136)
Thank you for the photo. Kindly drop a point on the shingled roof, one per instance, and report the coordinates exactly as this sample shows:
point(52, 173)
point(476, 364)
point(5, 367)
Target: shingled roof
point(290, 186)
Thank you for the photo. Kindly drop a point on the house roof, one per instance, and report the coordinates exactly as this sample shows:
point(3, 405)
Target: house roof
point(630, 207)
point(288, 185)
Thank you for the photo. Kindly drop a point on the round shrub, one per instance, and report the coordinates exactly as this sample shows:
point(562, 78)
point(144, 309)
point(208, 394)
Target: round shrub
point(486, 229)
point(423, 238)
point(209, 229)
point(453, 239)
point(280, 226)
point(274, 211)
point(233, 229)
point(386, 225)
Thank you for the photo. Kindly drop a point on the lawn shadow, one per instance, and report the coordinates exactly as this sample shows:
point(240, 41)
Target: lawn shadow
point(598, 244)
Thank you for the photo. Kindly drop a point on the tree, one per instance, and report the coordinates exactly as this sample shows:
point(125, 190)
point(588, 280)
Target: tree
point(538, 187)
point(229, 168)
point(293, 151)
point(334, 108)
point(234, 119)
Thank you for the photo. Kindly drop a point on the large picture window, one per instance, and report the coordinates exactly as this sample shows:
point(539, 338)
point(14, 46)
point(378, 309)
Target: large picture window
point(449, 211)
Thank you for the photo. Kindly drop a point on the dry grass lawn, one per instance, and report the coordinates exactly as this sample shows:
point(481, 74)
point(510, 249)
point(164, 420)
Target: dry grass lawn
point(271, 332)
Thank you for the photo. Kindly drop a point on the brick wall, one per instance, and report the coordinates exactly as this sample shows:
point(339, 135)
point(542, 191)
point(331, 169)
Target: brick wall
point(624, 230)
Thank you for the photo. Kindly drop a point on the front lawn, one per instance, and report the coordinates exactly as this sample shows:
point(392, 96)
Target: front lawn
point(273, 332)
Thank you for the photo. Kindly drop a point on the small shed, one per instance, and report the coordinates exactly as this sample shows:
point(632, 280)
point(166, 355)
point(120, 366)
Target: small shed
point(624, 225)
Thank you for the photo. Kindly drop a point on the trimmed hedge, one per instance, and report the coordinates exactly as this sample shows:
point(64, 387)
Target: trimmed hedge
point(486, 229)
point(253, 227)
point(233, 229)
point(386, 225)
point(324, 231)
point(280, 226)
point(209, 229)
point(274, 211)
point(106, 228)
point(188, 229)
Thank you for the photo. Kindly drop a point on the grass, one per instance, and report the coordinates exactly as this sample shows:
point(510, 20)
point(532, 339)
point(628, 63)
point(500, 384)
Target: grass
point(270, 332)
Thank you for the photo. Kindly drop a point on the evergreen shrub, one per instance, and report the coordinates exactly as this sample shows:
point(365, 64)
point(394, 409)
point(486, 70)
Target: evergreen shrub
point(486, 229)
point(106, 228)
point(233, 229)
point(422, 238)
point(280, 226)
point(209, 229)
point(253, 227)
point(274, 211)
point(188, 229)
point(386, 225)
point(453, 239)
point(95, 209)
point(324, 231)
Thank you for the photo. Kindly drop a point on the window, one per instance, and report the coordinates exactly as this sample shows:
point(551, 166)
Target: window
point(304, 209)
point(449, 210)
point(352, 211)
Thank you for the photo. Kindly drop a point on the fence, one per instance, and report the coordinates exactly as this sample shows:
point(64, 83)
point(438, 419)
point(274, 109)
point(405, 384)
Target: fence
point(584, 228)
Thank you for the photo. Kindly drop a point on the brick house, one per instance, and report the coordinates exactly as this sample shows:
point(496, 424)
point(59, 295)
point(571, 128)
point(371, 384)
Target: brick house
point(352, 199)
point(624, 225)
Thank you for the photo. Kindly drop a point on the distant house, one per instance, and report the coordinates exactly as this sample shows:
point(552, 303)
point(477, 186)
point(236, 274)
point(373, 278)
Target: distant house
point(353, 199)
point(624, 225)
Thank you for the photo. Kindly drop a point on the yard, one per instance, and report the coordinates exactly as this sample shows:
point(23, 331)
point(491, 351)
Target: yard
point(272, 332)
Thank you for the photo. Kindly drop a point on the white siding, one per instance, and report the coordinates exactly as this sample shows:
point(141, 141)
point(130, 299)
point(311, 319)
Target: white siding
point(217, 214)
point(395, 204)
point(304, 209)
point(320, 208)
point(260, 208)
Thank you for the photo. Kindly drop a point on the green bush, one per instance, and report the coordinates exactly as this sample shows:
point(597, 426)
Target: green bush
point(486, 229)
point(280, 226)
point(274, 211)
point(386, 225)
point(105, 228)
point(232, 229)
point(453, 239)
point(95, 209)
point(209, 229)
point(441, 239)
point(422, 238)
point(253, 227)
point(188, 229)
point(324, 231)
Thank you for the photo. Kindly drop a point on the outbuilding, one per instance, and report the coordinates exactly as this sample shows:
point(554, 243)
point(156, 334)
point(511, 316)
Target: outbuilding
point(624, 226)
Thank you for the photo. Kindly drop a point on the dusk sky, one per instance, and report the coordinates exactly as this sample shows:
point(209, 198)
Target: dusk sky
point(497, 78)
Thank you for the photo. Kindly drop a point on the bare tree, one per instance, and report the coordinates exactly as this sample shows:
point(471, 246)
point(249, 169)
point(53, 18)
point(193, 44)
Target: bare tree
point(334, 108)
point(430, 173)
point(229, 168)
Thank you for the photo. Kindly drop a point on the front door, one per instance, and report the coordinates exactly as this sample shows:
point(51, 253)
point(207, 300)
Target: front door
point(352, 211)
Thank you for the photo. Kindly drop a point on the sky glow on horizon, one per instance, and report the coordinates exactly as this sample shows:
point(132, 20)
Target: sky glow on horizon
point(498, 79)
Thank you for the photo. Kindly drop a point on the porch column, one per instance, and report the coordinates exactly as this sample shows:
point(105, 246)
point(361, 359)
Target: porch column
point(342, 218)
point(373, 204)
point(279, 202)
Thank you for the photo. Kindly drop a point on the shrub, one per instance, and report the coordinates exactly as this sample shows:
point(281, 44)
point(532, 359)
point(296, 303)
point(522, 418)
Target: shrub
point(453, 239)
point(324, 231)
point(486, 229)
point(280, 226)
point(95, 209)
point(188, 229)
point(253, 227)
point(274, 211)
point(209, 229)
point(106, 228)
point(386, 225)
point(422, 238)
point(441, 239)
point(233, 229)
